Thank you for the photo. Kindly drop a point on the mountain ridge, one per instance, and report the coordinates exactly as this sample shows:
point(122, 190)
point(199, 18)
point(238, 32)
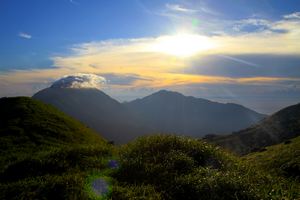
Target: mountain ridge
point(281, 126)
point(163, 111)
point(191, 115)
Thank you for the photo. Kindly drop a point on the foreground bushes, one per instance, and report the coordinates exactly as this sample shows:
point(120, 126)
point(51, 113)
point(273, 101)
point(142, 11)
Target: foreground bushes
point(174, 167)
point(156, 167)
point(53, 173)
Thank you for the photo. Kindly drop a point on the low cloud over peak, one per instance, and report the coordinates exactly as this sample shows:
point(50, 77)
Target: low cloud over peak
point(80, 81)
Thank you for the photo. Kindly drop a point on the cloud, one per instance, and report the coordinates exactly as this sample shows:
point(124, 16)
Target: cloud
point(252, 24)
point(123, 79)
point(80, 81)
point(179, 8)
point(24, 35)
point(295, 15)
point(246, 65)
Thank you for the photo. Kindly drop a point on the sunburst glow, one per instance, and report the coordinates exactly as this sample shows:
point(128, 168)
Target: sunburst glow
point(183, 45)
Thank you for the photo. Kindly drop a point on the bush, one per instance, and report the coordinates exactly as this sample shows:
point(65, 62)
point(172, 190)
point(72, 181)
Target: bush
point(184, 168)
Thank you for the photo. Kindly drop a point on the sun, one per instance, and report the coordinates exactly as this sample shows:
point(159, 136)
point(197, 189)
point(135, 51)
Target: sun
point(183, 45)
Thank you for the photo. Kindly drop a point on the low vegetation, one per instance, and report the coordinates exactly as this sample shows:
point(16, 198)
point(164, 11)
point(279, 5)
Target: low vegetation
point(174, 167)
point(281, 160)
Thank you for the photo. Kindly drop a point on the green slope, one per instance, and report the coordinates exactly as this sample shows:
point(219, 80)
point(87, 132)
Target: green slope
point(281, 160)
point(45, 154)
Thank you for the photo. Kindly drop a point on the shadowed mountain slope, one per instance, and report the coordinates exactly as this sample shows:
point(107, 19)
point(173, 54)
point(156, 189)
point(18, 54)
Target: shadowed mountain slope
point(173, 112)
point(283, 125)
point(95, 109)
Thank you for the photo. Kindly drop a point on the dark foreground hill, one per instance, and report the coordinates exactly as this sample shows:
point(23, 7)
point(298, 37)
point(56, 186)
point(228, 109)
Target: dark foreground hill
point(164, 111)
point(281, 126)
point(45, 154)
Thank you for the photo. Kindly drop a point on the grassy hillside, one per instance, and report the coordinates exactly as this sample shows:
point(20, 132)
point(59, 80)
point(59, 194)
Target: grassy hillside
point(281, 160)
point(174, 167)
point(44, 153)
point(275, 129)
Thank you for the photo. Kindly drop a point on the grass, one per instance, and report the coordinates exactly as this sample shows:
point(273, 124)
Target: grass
point(282, 160)
point(44, 153)
point(105, 174)
point(174, 167)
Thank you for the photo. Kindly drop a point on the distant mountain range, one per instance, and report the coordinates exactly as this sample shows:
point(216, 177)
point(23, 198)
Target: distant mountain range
point(281, 126)
point(163, 111)
point(173, 112)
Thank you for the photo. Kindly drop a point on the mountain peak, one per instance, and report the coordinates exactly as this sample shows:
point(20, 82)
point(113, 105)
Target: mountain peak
point(167, 92)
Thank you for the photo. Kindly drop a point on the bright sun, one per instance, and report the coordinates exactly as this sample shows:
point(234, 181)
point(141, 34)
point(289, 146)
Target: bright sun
point(183, 45)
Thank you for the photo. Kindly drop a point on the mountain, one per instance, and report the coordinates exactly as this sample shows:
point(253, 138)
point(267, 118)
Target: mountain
point(173, 112)
point(95, 109)
point(281, 126)
point(164, 111)
point(45, 154)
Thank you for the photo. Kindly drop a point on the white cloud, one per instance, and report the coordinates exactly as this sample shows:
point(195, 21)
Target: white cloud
point(80, 80)
point(24, 35)
point(179, 8)
point(259, 24)
point(295, 15)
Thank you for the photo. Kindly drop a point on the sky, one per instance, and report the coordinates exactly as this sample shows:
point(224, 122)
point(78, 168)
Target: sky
point(239, 51)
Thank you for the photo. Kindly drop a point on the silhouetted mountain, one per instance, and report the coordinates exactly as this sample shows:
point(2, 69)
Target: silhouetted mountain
point(164, 111)
point(95, 109)
point(173, 112)
point(283, 125)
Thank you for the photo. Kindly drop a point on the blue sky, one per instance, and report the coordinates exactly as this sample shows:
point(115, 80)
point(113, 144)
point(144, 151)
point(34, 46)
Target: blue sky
point(190, 46)
point(56, 24)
